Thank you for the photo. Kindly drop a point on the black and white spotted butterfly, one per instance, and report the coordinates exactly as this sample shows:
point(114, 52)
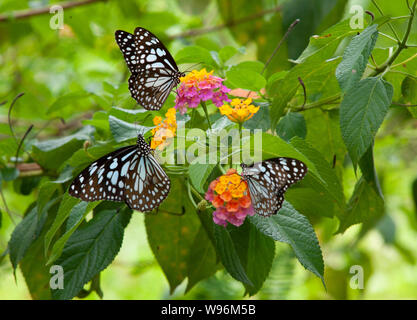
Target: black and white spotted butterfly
point(154, 71)
point(268, 180)
point(130, 174)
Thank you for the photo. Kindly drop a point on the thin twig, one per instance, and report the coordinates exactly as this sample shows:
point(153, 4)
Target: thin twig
point(389, 24)
point(9, 118)
point(292, 25)
point(38, 11)
point(231, 23)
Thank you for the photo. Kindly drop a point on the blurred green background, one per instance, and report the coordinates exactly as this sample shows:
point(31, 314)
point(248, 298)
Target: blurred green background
point(66, 73)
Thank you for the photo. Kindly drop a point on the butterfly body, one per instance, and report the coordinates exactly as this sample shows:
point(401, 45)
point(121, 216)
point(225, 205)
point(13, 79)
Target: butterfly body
point(268, 180)
point(154, 72)
point(130, 174)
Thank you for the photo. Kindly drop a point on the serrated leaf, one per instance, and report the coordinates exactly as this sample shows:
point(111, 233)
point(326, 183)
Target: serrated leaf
point(33, 265)
point(291, 227)
point(90, 250)
point(361, 113)
point(24, 235)
point(355, 58)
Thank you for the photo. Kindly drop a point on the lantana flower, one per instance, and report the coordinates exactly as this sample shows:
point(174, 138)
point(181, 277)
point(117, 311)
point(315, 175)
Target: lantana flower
point(239, 110)
point(229, 195)
point(200, 86)
point(164, 130)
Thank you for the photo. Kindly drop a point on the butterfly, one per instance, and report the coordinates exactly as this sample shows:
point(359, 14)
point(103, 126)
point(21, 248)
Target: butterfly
point(154, 72)
point(130, 174)
point(268, 180)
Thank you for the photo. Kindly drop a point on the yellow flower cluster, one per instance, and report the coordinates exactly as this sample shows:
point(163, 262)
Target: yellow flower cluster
point(239, 110)
point(164, 129)
point(195, 76)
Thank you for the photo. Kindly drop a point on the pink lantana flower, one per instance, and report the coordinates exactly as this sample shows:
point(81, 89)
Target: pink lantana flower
point(200, 86)
point(230, 196)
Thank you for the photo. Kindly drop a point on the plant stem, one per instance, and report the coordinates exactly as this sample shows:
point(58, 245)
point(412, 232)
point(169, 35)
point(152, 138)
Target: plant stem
point(401, 46)
point(203, 104)
point(317, 104)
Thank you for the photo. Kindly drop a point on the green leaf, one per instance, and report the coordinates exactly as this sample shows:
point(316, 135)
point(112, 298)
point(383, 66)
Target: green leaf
point(244, 77)
point(24, 235)
point(256, 252)
point(202, 259)
point(361, 113)
point(312, 73)
point(195, 54)
point(171, 238)
point(314, 16)
point(292, 125)
point(324, 46)
point(227, 52)
point(409, 93)
point(323, 133)
point(260, 120)
point(122, 130)
point(228, 255)
point(75, 217)
point(198, 175)
point(291, 227)
point(364, 205)
point(355, 58)
point(46, 191)
point(9, 174)
point(67, 100)
point(90, 250)
point(50, 154)
point(33, 265)
point(64, 210)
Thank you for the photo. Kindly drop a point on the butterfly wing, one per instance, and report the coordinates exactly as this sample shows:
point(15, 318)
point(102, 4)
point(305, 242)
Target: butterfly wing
point(102, 180)
point(124, 175)
point(154, 71)
point(268, 181)
point(147, 184)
